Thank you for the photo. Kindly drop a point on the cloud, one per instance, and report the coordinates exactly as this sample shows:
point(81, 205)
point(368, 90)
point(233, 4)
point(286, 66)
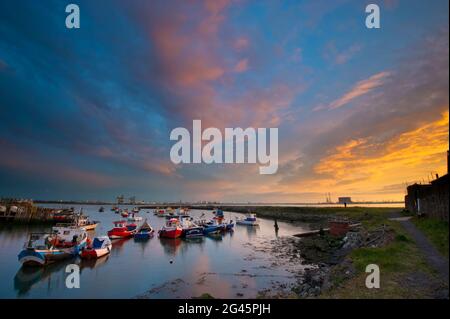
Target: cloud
point(366, 163)
point(241, 66)
point(359, 89)
point(241, 43)
point(336, 56)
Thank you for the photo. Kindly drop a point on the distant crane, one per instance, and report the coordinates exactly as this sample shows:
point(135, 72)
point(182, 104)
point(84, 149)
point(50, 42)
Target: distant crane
point(120, 199)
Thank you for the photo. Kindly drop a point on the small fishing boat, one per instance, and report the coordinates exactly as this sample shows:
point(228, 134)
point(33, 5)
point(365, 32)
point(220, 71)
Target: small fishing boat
point(99, 247)
point(85, 222)
point(161, 213)
point(101, 209)
point(114, 208)
point(122, 230)
point(124, 213)
point(211, 227)
point(228, 226)
point(69, 235)
point(218, 214)
point(172, 229)
point(190, 229)
point(182, 212)
point(63, 216)
point(144, 232)
point(249, 220)
point(133, 218)
point(39, 250)
point(135, 210)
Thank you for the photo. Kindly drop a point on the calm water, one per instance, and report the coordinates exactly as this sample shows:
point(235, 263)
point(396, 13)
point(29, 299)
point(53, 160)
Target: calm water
point(237, 264)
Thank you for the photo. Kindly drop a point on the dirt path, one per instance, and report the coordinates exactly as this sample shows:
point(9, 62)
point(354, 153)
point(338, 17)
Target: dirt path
point(432, 255)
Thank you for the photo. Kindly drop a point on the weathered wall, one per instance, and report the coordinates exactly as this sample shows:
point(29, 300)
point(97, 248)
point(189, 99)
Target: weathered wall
point(430, 200)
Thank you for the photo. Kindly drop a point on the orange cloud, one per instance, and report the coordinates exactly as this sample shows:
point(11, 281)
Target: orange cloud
point(363, 166)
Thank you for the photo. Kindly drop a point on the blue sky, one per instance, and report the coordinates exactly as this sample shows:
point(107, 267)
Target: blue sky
point(87, 113)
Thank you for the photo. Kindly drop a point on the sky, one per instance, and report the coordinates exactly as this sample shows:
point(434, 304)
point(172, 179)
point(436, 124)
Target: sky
point(86, 114)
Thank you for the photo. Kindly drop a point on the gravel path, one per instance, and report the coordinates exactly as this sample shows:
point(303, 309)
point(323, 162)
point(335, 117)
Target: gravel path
point(432, 255)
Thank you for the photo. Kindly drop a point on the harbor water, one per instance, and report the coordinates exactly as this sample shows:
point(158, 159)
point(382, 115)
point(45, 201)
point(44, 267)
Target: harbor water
point(239, 264)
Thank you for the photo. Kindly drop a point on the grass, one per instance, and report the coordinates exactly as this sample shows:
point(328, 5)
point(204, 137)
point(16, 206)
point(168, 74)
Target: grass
point(316, 214)
point(403, 271)
point(436, 231)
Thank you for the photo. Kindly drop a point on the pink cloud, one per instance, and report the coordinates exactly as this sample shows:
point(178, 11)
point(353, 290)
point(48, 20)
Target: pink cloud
point(241, 66)
point(241, 43)
point(359, 89)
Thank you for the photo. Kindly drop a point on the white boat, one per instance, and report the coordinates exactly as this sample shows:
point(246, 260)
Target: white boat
point(100, 246)
point(133, 218)
point(86, 223)
point(249, 220)
point(40, 250)
point(67, 235)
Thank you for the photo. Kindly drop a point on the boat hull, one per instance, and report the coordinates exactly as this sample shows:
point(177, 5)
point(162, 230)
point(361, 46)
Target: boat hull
point(247, 223)
point(90, 227)
point(170, 233)
point(95, 253)
point(192, 232)
point(42, 258)
point(118, 235)
point(211, 230)
point(143, 235)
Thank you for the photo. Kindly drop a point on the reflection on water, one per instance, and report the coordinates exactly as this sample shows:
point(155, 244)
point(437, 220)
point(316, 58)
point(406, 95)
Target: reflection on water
point(222, 264)
point(170, 246)
point(92, 263)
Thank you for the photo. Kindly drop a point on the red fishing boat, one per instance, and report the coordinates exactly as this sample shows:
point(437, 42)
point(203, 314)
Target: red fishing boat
point(172, 229)
point(122, 230)
point(101, 246)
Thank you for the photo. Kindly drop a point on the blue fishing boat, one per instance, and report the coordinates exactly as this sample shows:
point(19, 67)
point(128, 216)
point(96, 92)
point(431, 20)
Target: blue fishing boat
point(211, 228)
point(193, 232)
point(190, 228)
point(40, 250)
point(229, 226)
point(144, 232)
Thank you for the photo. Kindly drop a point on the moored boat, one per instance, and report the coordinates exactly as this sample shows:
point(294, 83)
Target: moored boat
point(39, 250)
point(190, 229)
point(211, 227)
point(101, 209)
point(249, 220)
point(99, 247)
point(122, 230)
point(144, 232)
point(85, 222)
point(69, 235)
point(133, 218)
point(172, 229)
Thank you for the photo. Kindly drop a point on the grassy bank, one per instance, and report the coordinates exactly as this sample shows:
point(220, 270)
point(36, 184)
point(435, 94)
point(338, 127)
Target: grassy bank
point(436, 231)
point(404, 272)
point(317, 214)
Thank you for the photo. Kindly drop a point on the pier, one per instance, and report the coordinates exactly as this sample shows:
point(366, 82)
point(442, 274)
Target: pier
point(25, 212)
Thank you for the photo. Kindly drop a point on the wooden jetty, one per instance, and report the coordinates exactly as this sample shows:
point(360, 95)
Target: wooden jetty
point(25, 212)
